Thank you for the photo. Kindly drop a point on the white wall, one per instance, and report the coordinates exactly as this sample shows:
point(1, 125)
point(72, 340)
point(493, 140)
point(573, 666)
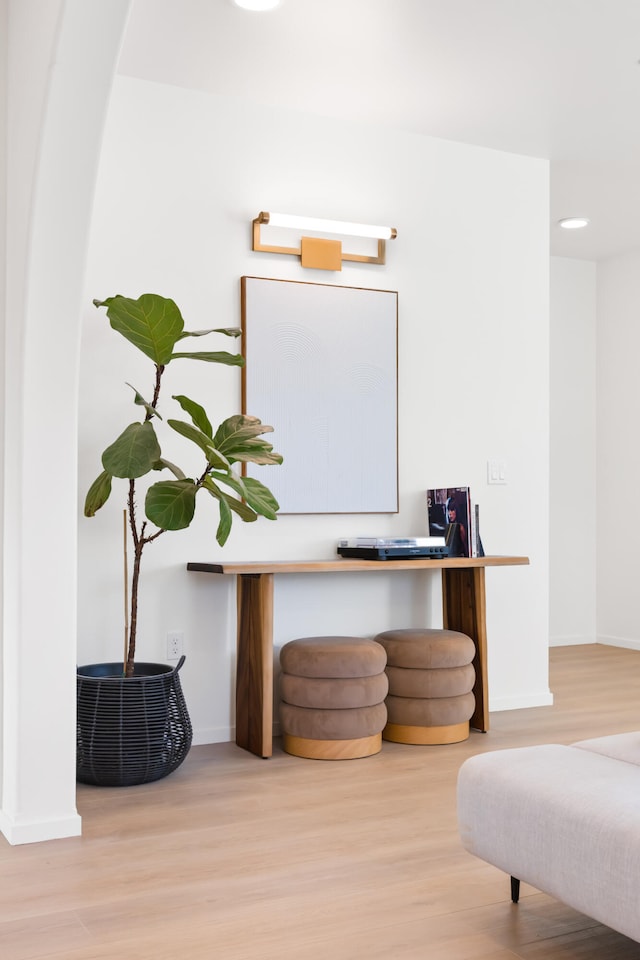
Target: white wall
point(4, 30)
point(57, 86)
point(572, 508)
point(182, 176)
point(618, 473)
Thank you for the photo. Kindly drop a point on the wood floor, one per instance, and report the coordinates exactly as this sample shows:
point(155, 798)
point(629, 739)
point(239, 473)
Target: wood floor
point(237, 858)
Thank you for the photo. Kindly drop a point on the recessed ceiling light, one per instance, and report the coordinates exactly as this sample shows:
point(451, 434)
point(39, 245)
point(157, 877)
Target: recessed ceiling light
point(573, 223)
point(257, 4)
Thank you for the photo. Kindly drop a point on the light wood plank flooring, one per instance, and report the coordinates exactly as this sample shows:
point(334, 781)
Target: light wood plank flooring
point(237, 858)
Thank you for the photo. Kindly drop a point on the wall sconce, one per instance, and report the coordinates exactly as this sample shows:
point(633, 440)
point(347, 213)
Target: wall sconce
point(322, 254)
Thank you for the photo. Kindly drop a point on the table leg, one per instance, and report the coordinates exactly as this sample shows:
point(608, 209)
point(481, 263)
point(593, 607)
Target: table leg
point(254, 671)
point(464, 609)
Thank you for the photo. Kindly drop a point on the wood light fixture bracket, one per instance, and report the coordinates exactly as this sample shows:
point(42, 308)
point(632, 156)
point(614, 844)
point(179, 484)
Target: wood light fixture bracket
point(318, 252)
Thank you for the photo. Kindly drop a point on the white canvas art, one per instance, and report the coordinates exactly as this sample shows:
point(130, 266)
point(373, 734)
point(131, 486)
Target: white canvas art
point(321, 368)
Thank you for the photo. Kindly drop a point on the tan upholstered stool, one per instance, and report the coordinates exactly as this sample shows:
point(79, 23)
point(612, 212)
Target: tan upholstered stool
point(431, 680)
point(333, 693)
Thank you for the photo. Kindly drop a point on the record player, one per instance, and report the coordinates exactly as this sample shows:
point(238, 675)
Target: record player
point(393, 548)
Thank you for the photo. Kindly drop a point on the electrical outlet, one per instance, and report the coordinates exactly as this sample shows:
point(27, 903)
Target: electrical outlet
point(175, 644)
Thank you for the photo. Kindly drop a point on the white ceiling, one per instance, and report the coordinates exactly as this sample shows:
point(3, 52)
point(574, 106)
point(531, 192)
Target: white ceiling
point(548, 78)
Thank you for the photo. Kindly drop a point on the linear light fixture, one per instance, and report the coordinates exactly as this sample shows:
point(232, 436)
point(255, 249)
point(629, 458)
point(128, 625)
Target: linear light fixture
point(322, 254)
point(257, 5)
point(573, 223)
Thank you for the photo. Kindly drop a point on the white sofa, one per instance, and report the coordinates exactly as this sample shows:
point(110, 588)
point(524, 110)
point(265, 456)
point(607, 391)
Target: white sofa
point(565, 819)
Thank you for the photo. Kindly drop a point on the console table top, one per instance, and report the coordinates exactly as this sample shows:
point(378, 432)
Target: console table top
point(346, 565)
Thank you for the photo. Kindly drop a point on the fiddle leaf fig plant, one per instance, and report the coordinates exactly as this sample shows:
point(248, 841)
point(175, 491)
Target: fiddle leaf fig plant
point(154, 325)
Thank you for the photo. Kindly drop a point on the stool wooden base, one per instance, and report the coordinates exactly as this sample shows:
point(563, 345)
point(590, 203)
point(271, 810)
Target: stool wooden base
point(332, 749)
point(400, 733)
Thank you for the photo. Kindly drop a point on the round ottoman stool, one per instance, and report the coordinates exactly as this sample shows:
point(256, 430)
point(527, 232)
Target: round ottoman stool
point(431, 680)
point(333, 693)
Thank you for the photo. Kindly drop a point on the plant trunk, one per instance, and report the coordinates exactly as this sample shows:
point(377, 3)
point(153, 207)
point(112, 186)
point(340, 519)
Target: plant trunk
point(135, 577)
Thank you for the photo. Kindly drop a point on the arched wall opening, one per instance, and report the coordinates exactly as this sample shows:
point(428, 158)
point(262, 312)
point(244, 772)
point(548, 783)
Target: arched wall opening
point(60, 68)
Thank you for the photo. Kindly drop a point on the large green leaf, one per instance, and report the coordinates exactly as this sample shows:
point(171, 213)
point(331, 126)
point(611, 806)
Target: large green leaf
point(214, 459)
point(141, 402)
point(196, 412)
point(230, 359)
point(257, 451)
point(236, 439)
point(260, 498)
point(227, 331)
point(98, 494)
point(243, 510)
point(163, 464)
point(151, 323)
point(134, 452)
point(171, 504)
point(236, 483)
point(237, 429)
point(224, 527)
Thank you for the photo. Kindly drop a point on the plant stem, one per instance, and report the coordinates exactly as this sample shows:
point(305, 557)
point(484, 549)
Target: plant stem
point(135, 576)
point(139, 541)
point(137, 548)
point(156, 392)
point(126, 593)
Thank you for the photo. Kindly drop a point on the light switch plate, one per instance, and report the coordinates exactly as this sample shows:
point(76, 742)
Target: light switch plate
point(496, 471)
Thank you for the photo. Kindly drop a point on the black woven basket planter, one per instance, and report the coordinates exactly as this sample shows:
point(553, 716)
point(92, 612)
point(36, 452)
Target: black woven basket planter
point(133, 730)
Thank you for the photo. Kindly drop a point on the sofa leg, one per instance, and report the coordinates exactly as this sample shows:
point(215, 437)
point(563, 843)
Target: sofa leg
point(515, 889)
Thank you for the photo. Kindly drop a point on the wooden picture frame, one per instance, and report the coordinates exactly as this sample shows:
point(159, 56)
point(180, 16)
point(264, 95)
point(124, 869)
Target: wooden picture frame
point(321, 368)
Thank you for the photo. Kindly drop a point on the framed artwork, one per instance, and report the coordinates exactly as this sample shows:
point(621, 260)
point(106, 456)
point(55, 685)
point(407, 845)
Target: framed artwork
point(322, 369)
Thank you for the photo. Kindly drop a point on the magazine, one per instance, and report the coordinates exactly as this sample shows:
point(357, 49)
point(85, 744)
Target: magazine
point(449, 515)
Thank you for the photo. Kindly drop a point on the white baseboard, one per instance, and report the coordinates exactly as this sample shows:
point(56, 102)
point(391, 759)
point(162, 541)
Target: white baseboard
point(570, 641)
point(213, 735)
point(222, 734)
point(34, 831)
point(620, 642)
point(520, 703)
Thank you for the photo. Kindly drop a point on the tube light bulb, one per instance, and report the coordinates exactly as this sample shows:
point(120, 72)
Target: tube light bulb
point(257, 4)
point(328, 226)
point(573, 223)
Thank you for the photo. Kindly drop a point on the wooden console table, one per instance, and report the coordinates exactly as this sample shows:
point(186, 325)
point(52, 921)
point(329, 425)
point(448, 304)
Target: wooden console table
point(463, 608)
